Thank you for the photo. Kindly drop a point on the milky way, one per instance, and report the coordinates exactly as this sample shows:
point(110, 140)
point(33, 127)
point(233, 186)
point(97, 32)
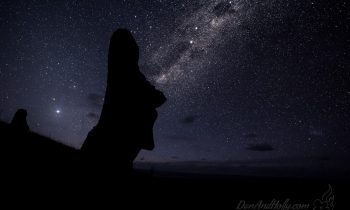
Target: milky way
point(191, 48)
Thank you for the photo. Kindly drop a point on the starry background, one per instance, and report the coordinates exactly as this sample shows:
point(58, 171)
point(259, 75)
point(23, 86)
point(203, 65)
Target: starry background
point(245, 79)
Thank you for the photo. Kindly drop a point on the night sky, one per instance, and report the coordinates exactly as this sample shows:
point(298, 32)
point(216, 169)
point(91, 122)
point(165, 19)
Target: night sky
point(245, 79)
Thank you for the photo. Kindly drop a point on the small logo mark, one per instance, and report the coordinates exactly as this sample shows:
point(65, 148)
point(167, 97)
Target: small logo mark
point(326, 203)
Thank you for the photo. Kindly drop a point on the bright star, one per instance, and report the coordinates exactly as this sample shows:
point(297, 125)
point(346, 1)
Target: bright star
point(58, 111)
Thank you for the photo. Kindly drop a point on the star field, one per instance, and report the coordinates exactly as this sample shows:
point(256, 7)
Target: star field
point(245, 79)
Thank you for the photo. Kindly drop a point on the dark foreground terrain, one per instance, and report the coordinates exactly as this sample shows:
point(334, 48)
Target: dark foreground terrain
point(36, 170)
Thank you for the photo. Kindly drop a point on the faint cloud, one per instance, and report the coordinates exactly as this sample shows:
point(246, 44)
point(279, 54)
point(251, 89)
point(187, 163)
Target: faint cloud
point(93, 115)
point(261, 147)
point(322, 158)
point(189, 119)
point(95, 99)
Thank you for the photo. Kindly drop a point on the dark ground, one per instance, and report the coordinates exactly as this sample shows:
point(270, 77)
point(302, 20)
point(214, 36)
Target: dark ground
point(39, 171)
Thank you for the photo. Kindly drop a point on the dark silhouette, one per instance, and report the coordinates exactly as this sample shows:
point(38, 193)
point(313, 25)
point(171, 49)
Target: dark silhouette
point(19, 120)
point(129, 110)
point(31, 155)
